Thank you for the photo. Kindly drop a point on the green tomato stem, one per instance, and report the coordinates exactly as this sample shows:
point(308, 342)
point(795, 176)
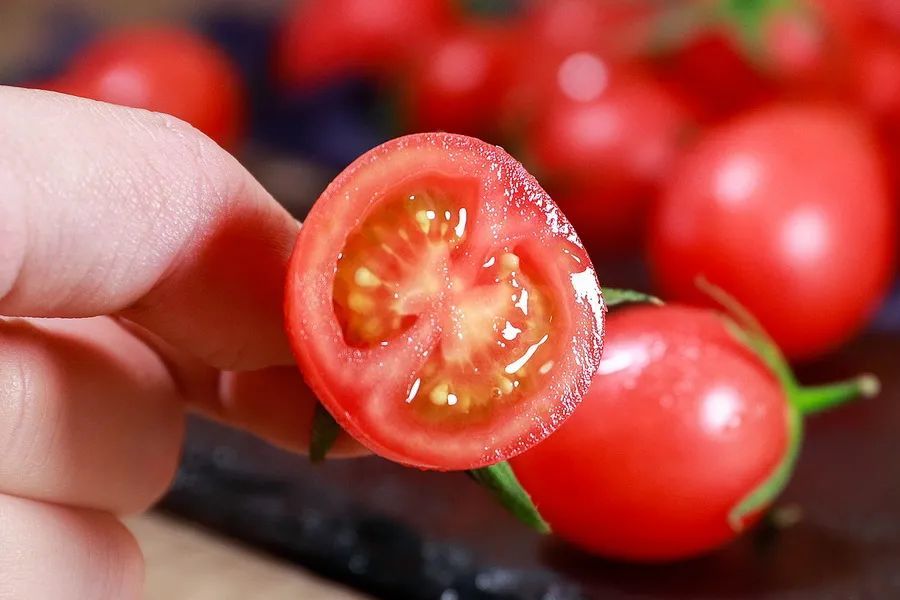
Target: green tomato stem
point(815, 399)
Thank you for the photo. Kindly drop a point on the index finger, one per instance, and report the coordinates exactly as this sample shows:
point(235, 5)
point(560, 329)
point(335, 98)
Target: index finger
point(110, 210)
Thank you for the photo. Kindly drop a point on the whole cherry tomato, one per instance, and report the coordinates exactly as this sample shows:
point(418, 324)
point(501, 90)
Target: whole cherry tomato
point(683, 440)
point(165, 69)
point(604, 141)
point(457, 84)
point(680, 424)
point(727, 57)
point(617, 28)
point(787, 209)
point(326, 39)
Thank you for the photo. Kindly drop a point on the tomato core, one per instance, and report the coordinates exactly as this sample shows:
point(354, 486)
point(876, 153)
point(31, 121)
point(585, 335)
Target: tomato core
point(406, 261)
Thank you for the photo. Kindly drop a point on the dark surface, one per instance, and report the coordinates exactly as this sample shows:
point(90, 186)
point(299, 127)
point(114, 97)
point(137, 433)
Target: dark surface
point(399, 533)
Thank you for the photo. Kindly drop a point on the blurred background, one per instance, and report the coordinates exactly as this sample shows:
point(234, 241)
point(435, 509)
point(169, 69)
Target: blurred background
point(645, 120)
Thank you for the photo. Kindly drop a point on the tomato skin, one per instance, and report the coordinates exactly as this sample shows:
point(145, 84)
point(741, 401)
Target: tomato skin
point(679, 425)
point(719, 73)
point(878, 79)
point(458, 82)
point(786, 209)
point(620, 28)
point(164, 69)
point(609, 150)
point(712, 76)
point(326, 39)
point(364, 387)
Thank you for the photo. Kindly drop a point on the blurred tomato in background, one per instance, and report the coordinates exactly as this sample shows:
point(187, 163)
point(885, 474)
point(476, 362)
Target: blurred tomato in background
point(801, 231)
point(323, 41)
point(165, 69)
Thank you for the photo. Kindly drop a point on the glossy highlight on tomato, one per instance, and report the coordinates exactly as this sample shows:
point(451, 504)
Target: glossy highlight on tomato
point(680, 424)
point(440, 305)
point(165, 69)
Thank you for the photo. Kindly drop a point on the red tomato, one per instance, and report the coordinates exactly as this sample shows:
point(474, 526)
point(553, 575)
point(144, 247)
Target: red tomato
point(457, 85)
point(164, 69)
point(739, 59)
point(326, 39)
point(711, 74)
point(440, 305)
point(878, 78)
point(572, 25)
point(854, 19)
point(887, 13)
point(786, 209)
point(553, 30)
point(681, 422)
point(607, 138)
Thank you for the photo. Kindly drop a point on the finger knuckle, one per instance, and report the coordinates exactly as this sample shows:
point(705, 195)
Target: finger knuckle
point(20, 408)
point(158, 470)
point(12, 240)
point(124, 563)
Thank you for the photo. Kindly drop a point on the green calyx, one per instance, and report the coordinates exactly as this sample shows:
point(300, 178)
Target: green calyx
point(762, 496)
point(801, 401)
point(747, 21)
point(501, 482)
point(325, 431)
point(613, 297)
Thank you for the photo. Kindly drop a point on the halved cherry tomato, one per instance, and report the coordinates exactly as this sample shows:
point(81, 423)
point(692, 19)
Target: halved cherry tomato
point(787, 209)
point(165, 69)
point(326, 39)
point(441, 306)
point(680, 424)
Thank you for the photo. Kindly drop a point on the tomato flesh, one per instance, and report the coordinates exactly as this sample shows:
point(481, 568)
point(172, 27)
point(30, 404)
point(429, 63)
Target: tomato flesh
point(440, 305)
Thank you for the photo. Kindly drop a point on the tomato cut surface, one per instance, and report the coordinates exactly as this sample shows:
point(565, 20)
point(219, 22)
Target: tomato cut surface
point(441, 306)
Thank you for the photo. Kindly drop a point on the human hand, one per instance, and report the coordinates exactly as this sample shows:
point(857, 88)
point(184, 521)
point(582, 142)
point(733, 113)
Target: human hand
point(166, 261)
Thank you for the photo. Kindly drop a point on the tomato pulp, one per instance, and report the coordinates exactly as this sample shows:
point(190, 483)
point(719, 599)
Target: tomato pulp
point(680, 424)
point(440, 305)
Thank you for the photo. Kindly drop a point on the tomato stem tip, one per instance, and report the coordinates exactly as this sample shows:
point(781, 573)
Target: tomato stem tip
point(815, 399)
point(501, 482)
point(615, 296)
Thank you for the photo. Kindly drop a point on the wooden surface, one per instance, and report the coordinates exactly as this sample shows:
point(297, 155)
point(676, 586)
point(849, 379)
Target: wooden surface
point(185, 562)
